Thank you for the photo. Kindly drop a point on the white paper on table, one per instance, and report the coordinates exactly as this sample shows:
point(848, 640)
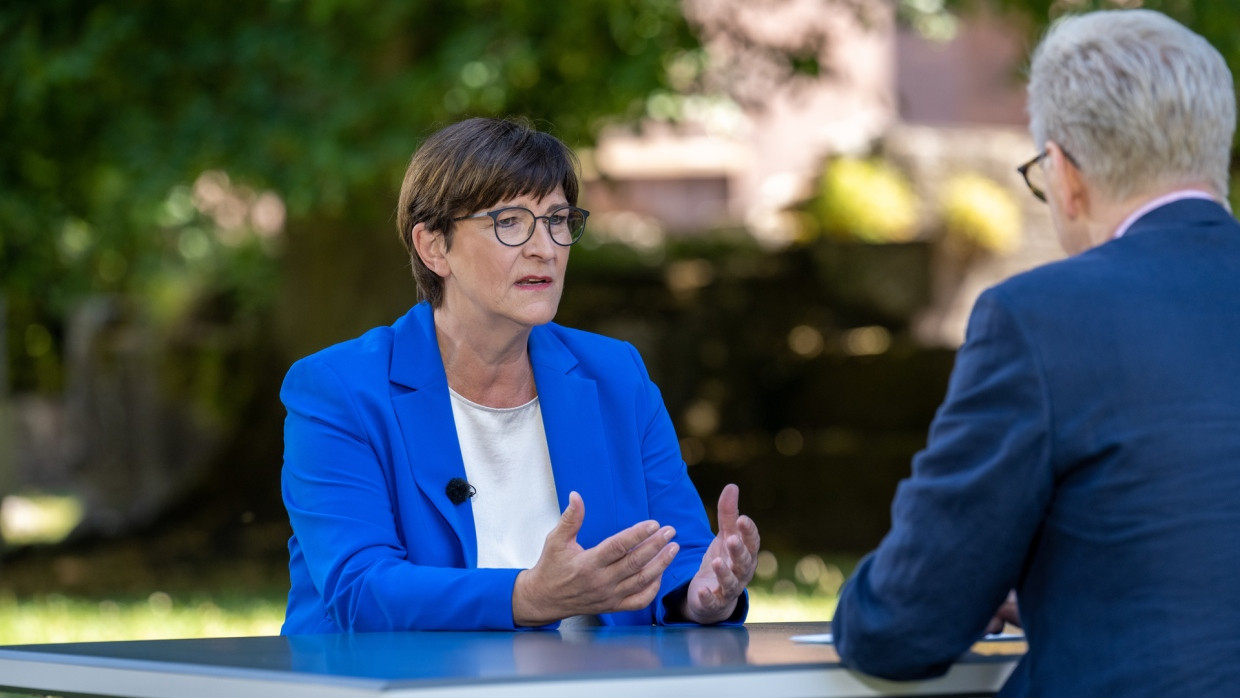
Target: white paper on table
point(826, 639)
point(820, 639)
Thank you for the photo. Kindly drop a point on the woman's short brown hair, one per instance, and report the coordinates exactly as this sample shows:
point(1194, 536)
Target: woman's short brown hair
point(469, 166)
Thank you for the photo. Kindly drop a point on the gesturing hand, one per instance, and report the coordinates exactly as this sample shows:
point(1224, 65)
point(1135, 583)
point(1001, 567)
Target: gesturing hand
point(727, 566)
point(622, 573)
point(1008, 612)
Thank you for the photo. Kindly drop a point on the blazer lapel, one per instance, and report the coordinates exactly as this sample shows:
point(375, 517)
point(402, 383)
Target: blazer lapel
point(424, 412)
point(573, 422)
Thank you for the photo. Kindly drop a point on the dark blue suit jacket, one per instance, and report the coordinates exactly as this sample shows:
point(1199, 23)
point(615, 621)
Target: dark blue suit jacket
point(370, 446)
point(1087, 455)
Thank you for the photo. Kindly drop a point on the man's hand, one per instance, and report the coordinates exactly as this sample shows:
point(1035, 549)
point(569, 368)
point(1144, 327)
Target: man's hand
point(622, 573)
point(1008, 612)
point(728, 565)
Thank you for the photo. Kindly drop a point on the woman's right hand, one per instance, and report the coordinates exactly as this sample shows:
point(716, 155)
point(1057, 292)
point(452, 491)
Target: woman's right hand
point(621, 573)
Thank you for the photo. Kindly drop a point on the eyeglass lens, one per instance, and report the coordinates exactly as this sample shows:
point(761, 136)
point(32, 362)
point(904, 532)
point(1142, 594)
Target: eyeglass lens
point(513, 226)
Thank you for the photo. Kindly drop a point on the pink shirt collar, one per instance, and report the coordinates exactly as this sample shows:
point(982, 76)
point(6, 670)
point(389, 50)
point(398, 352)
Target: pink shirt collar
point(1161, 201)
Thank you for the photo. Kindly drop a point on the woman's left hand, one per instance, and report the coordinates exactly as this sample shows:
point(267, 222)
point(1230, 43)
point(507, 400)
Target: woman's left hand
point(728, 565)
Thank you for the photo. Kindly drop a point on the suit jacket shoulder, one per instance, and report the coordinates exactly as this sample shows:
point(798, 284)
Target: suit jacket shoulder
point(1180, 238)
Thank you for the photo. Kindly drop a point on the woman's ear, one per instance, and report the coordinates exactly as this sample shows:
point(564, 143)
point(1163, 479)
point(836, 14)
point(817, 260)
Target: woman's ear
point(431, 249)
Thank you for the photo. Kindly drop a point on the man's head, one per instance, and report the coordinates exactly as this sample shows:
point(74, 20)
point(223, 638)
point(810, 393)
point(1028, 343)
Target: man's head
point(1135, 100)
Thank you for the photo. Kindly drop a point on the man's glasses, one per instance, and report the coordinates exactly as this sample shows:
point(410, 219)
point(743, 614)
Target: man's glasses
point(1035, 178)
point(514, 225)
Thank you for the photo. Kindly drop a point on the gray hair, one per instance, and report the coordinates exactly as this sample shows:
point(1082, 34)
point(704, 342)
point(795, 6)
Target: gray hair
point(1138, 100)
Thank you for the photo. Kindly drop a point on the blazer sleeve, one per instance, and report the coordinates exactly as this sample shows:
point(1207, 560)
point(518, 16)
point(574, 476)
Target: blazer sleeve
point(335, 485)
point(674, 501)
point(963, 523)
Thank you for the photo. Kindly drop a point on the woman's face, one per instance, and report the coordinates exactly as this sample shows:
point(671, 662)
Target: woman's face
point(490, 284)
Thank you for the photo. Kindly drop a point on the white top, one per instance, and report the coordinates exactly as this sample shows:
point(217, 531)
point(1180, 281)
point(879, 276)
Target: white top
point(509, 465)
point(507, 462)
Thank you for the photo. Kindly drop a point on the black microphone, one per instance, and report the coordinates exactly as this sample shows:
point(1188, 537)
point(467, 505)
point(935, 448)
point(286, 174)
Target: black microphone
point(459, 490)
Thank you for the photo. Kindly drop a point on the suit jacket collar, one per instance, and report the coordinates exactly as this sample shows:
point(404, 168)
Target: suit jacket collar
point(1181, 214)
point(572, 420)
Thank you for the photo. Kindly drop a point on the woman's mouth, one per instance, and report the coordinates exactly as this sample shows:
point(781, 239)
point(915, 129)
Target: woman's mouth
point(534, 281)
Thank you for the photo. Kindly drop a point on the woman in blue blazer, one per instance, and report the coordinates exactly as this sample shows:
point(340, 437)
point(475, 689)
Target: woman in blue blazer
point(475, 466)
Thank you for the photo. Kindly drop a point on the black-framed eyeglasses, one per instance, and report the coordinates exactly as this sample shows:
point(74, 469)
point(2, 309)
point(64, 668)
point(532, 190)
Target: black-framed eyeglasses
point(514, 225)
point(1033, 181)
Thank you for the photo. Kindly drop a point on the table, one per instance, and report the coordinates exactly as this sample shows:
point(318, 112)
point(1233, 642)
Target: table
point(754, 661)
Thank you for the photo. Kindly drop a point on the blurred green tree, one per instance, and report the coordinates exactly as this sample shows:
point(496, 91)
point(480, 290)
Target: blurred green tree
point(225, 166)
point(1218, 22)
point(109, 112)
point(239, 163)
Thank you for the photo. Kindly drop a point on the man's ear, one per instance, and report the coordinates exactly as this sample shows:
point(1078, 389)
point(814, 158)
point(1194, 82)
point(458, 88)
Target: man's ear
point(431, 248)
point(1071, 189)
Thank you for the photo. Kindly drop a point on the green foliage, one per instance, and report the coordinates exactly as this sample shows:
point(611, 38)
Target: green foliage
point(108, 112)
point(867, 200)
point(1218, 22)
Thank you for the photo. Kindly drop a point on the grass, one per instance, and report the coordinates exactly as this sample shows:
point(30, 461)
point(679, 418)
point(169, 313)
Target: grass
point(56, 618)
point(768, 607)
point(786, 590)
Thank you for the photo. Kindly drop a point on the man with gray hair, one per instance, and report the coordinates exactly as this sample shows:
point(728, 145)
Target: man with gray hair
point(1086, 459)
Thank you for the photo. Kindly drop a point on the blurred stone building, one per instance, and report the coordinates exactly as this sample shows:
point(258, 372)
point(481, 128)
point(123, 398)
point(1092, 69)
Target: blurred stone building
point(933, 106)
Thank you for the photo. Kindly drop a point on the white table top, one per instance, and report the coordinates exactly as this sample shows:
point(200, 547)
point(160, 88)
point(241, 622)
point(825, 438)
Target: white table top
point(756, 660)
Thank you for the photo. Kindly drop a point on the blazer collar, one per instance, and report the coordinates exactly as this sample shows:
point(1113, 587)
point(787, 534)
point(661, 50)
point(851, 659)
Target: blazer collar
point(572, 420)
point(576, 438)
point(424, 411)
point(416, 362)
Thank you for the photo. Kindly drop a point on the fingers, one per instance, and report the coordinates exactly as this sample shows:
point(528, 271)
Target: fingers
point(630, 567)
point(616, 547)
point(730, 579)
point(640, 555)
point(729, 508)
point(714, 600)
point(742, 563)
point(742, 551)
point(570, 521)
point(726, 570)
point(736, 553)
point(709, 598)
point(641, 598)
point(641, 588)
point(749, 534)
point(642, 564)
point(1009, 610)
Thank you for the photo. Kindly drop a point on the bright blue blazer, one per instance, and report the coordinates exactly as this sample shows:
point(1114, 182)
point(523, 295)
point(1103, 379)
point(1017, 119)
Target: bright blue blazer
point(1087, 455)
point(370, 446)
